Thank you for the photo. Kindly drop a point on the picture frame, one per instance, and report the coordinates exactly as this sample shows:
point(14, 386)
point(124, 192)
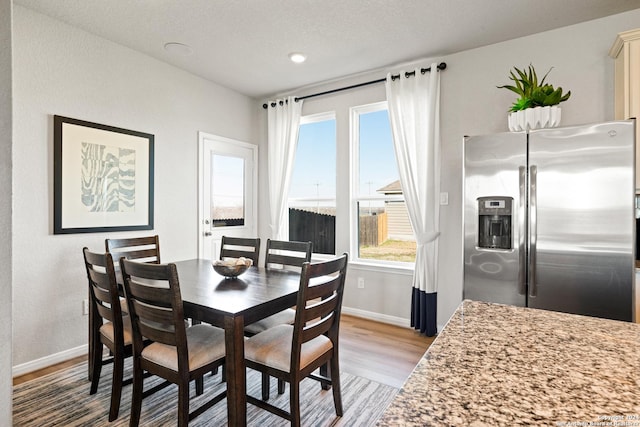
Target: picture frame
point(103, 178)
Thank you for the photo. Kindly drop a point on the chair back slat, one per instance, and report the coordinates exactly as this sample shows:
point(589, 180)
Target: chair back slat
point(143, 249)
point(155, 304)
point(287, 253)
point(236, 247)
point(156, 323)
point(319, 302)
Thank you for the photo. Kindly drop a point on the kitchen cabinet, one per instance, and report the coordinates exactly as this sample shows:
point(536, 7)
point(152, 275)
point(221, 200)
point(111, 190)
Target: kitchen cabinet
point(626, 52)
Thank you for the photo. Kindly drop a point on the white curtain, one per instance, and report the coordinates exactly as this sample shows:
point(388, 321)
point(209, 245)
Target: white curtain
point(414, 115)
point(283, 120)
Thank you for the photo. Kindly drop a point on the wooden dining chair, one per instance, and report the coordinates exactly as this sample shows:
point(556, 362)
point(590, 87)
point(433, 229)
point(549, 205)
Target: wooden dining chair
point(236, 247)
point(176, 352)
point(280, 254)
point(110, 326)
point(142, 249)
point(294, 352)
point(283, 255)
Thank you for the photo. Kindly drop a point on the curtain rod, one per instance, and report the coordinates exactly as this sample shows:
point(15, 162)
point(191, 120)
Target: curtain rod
point(441, 66)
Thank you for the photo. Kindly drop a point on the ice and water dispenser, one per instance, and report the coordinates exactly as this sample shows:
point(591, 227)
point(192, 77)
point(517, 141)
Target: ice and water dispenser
point(494, 222)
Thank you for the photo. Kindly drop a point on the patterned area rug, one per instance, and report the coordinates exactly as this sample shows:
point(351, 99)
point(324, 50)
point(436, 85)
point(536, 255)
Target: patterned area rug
point(62, 399)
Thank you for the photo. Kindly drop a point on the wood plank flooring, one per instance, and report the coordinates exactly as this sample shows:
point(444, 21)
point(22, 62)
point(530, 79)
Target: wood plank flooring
point(378, 351)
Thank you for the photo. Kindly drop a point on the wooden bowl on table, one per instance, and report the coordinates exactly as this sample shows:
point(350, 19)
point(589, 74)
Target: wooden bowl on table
point(232, 268)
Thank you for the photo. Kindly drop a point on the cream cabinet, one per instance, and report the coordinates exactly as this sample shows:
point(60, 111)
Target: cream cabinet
point(626, 52)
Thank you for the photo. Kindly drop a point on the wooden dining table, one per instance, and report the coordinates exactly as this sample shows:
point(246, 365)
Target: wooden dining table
point(231, 304)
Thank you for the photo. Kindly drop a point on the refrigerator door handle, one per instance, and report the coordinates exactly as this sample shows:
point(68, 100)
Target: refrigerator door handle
point(533, 229)
point(522, 255)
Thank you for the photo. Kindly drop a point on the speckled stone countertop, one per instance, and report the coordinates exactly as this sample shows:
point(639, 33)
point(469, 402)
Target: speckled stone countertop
point(498, 365)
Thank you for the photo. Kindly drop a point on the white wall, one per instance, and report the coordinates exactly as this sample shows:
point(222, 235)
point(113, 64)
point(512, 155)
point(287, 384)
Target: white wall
point(470, 104)
point(5, 208)
point(62, 70)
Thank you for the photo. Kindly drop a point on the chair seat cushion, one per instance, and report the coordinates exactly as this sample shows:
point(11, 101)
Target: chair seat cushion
point(286, 317)
point(273, 348)
point(106, 330)
point(205, 344)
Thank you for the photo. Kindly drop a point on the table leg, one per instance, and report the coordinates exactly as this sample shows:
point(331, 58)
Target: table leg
point(235, 370)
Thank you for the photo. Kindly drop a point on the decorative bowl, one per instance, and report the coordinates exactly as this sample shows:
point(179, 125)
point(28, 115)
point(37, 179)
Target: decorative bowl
point(231, 268)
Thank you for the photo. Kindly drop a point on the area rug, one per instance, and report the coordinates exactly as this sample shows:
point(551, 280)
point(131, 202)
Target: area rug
point(62, 399)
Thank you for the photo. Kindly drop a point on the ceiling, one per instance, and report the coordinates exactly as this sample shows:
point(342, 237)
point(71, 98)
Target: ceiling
point(244, 44)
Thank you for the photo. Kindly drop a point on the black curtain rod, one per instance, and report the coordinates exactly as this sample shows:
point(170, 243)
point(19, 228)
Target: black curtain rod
point(441, 66)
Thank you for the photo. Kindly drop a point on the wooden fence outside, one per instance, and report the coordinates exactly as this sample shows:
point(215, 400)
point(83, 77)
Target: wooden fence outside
point(305, 226)
point(373, 229)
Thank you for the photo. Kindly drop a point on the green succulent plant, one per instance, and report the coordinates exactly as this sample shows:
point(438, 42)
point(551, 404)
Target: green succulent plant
point(531, 92)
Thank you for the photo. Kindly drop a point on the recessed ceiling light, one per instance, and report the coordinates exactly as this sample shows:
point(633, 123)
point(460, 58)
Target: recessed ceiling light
point(178, 48)
point(297, 57)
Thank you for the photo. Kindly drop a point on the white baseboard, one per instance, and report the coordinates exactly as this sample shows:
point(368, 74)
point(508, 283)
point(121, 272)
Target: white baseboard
point(46, 361)
point(384, 318)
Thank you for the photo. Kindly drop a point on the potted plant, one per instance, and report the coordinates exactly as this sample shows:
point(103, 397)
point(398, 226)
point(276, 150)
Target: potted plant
point(536, 106)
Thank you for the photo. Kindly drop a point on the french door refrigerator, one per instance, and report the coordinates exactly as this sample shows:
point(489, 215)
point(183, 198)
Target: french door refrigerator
point(549, 219)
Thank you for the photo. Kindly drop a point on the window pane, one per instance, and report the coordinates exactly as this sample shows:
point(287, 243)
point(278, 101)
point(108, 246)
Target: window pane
point(227, 191)
point(377, 238)
point(312, 204)
point(384, 229)
point(378, 167)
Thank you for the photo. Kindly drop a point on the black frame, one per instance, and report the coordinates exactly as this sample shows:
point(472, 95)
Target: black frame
point(58, 184)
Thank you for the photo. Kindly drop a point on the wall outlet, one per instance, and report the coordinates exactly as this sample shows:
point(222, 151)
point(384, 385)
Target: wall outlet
point(85, 307)
point(360, 282)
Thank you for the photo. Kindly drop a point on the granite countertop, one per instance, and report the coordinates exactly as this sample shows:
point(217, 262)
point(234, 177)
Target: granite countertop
point(498, 365)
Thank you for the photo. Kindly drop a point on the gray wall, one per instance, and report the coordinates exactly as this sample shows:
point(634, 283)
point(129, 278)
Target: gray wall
point(59, 69)
point(5, 209)
point(470, 104)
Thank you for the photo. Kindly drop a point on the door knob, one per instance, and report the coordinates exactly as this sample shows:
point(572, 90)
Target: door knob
point(207, 233)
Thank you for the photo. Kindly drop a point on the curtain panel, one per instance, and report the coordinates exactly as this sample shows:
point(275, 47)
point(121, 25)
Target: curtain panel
point(283, 121)
point(413, 102)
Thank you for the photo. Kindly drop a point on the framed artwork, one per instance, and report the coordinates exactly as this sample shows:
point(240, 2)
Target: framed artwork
point(103, 178)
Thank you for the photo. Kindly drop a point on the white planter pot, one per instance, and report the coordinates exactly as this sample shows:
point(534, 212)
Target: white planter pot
point(534, 118)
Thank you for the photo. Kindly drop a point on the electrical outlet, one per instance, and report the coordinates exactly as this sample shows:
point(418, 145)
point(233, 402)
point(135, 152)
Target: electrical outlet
point(360, 282)
point(85, 307)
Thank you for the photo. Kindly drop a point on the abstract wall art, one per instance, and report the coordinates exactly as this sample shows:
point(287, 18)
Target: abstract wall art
point(103, 178)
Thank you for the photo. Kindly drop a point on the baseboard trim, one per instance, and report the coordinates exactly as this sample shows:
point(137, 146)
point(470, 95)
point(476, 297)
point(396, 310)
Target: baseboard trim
point(384, 318)
point(47, 361)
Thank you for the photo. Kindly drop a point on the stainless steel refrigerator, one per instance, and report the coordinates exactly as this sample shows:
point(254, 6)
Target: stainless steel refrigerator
point(549, 219)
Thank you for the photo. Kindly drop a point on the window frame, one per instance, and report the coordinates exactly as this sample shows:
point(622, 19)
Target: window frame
point(355, 196)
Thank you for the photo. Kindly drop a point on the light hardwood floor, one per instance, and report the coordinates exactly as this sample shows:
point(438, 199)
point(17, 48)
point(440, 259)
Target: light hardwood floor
point(378, 351)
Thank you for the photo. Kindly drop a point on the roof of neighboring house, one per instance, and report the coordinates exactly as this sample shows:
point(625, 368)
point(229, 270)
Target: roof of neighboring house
point(393, 188)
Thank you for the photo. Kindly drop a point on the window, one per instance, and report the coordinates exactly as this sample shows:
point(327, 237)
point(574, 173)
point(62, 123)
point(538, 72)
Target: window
point(381, 230)
point(227, 191)
point(312, 194)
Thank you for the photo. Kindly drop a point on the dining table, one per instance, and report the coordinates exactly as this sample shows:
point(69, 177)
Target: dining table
point(232, 303)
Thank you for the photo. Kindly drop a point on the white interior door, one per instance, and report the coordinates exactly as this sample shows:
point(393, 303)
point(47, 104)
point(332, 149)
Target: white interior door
point(228, 175)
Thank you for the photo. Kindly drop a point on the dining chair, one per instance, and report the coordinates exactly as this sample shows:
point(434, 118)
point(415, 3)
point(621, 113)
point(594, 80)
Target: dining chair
point(142, 249)
point(236, 247)
point(110, 326)
point(280, 254)
point(294, 352)
point(177, 353)
point(284, 255)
